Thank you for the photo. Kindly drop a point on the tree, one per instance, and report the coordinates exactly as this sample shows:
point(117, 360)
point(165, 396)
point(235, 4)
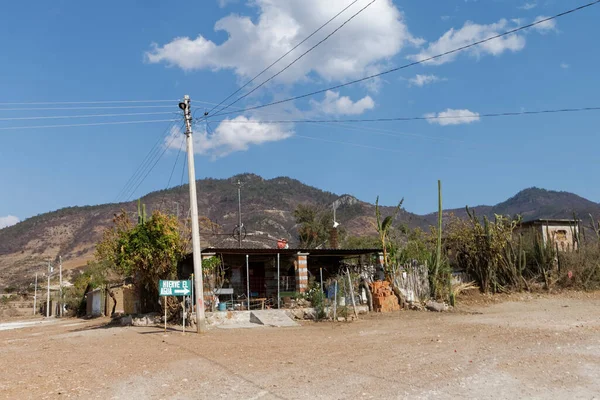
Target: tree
point(147, 252)
point(314, 227)
point(383, 228)
point(361, 242)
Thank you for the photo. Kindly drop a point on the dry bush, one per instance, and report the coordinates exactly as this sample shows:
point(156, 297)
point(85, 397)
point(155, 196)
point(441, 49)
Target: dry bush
point(580, 269)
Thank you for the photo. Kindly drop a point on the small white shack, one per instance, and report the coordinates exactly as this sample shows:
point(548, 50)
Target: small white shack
point(561, 232)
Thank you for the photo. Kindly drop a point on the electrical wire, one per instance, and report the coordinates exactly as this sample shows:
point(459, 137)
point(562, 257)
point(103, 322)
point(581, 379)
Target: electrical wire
point(182, 176)
point(283, 56)
point(90, 124)
point(378, 131)
point(143, 165)
point(171, 176)
point(87, 116)
point(425, 60)
point(298, 58)
point(423, 118)
point(183, 171)
point(152, 167)
point(88, 102)
point(82, 108)
point(153, 158)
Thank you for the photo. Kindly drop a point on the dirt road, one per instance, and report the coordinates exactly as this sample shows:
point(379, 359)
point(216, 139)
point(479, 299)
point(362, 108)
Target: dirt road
point(546, 347)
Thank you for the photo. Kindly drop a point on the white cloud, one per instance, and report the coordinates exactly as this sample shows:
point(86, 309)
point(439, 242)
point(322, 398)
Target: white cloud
point(9, 220)
point(469, 33)
point(254, 43)
point(453, 117)
point(335, 104)
point(565, 66)
point(528, 6)
point(545, 27)
point(231, 135)
point(445, 17)
point(225, 3)
point(422, 80)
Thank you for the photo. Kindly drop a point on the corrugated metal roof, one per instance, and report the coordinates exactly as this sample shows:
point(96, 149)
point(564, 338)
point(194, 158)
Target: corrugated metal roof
point(561, 221)
point(310, 252)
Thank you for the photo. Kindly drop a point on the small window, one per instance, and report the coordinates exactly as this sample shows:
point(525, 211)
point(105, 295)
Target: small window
point(560, 235)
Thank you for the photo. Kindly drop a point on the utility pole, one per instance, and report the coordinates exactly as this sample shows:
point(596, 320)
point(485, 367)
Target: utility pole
point(35, 294)
point(200, 319)
point(240, 226)
point(61, 285)
point(48, 291)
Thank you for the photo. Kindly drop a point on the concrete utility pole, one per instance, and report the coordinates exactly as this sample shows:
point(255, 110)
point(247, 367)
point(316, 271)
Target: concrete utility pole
point(240, 225)
point(200, 319)
point(61, 285)
point(35, 294)
point(48, 291)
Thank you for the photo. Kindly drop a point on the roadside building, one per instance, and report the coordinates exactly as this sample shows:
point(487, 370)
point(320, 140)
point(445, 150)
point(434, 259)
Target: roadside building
point(263, 273)
point(562, 233)
point(114, 299)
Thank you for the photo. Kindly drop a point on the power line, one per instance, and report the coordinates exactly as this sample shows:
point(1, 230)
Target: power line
point(152, 167)
point(379, 131)
point(172, 172)
point(423, 118)
point(86, 116)
point(283, 56)
point(83, 108)
point(298, 58)
point(89, 102)
point(420, 61)
point(183, 171)
point(90, 124)
point(146, 161)
point(155, 155)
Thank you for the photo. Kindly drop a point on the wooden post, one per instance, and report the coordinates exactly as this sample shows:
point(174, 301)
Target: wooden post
point(321, 273)
point(335, 301)
point(352, 293)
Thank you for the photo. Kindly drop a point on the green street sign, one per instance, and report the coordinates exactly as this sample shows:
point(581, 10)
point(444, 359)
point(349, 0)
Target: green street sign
point(174, 288)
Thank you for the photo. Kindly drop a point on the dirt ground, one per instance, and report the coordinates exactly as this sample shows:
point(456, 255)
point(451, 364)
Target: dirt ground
point(501, 348)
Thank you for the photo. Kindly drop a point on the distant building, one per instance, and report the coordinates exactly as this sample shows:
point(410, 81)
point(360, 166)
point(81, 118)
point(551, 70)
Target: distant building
point(124, 300)
point(561, 232)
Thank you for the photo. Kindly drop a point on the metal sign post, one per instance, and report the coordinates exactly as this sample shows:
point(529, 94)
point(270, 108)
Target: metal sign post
point(335, 301)
point(278, 283)
point(174, 288)
point(248, 280)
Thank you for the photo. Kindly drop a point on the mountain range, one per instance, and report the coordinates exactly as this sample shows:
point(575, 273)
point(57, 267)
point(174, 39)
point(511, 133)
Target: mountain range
point(268, 214)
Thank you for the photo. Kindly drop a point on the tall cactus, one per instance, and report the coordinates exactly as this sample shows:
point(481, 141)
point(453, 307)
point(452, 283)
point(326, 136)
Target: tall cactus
point(141, 209)
point(438, 249)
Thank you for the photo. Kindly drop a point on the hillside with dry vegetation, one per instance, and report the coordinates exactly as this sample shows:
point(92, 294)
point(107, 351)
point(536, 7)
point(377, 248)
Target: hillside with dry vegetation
point(268, 215)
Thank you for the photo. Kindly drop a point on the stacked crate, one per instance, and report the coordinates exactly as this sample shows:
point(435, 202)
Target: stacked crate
point(384, 299)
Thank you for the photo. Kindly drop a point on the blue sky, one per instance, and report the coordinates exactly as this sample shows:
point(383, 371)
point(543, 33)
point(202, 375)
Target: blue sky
point(67, 51)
